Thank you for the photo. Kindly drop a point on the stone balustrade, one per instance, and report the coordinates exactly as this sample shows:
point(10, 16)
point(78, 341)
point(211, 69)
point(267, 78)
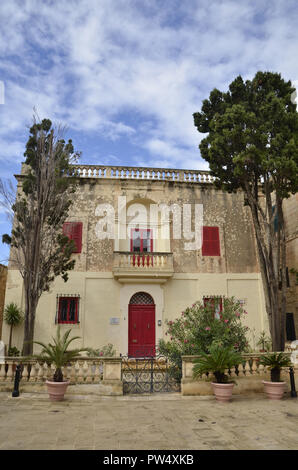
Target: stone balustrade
point(127, 259)
point(84, 370)
point(127, 264)
point(248, 376)
point(142, 173)
point(106, 374)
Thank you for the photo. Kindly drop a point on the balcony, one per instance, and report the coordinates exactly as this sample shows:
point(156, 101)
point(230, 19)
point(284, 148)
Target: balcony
point(143, 173)
point(142, 267)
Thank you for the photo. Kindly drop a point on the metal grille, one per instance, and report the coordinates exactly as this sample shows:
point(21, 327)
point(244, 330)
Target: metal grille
point(148, 375)
point(141, 298)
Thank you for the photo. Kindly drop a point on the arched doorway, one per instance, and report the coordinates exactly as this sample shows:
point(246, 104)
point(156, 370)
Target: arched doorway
point(141, 325)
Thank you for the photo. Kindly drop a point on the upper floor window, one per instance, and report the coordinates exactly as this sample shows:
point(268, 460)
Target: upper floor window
point(141, 240)
point(68, 309)
point(211, 245)
point(215, 303)
point(73, 230)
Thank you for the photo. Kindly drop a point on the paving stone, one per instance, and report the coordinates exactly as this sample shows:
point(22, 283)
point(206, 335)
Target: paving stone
point(151, 422)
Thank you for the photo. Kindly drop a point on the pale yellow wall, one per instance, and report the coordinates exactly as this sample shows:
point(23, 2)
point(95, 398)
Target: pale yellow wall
point(101, 297)
point(183, 291)
point(290, 208)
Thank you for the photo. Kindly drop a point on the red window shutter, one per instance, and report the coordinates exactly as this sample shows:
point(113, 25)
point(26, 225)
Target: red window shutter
point(211, 245)
point(73, 230)
point(68, 310)
point(77, 236)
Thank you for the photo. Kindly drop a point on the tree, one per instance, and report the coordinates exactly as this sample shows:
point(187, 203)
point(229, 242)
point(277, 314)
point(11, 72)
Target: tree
point(12, 316)
point(252, 146)
point(45, 192)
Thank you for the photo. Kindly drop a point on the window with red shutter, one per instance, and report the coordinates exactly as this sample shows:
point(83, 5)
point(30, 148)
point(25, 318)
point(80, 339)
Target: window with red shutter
point(211, 245)
point(141, 240)
point(73, 230)
point(216, 304)
point(68, 310)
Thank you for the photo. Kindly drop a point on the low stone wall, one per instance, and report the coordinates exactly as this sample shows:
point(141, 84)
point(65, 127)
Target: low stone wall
point(101, 376)
point(248, 377)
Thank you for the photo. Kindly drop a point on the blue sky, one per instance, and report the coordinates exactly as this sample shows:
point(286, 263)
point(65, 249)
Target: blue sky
point(125, 76)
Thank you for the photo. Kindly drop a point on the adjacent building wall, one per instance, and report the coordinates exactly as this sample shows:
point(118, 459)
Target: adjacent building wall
point(3, 278)
point(290, 208)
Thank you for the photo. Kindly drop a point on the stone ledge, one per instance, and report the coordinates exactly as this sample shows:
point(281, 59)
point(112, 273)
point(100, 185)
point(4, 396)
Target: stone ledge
point(243, 385)
point(103, 388)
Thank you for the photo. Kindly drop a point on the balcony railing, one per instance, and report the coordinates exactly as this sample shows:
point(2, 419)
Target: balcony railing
point(143, 173)
point(130, 265)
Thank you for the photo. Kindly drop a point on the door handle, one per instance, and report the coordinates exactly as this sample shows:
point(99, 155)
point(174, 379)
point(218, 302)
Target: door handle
point(134, 341)
point(148, 326)
point(134, 325)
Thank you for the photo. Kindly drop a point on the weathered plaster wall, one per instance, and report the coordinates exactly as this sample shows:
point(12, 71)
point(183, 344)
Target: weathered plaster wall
point(3, 278)
point(290, 208)
point(227, 211)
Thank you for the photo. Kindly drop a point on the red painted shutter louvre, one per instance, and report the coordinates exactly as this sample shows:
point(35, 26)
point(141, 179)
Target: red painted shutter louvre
point(211, 246)
point(73, 230)
point(77, 236)
point(67, 229)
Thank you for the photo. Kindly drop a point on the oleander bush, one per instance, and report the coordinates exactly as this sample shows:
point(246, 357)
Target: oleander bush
point(198, 327)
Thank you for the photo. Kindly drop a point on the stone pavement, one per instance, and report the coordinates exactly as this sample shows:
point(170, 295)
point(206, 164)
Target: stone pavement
point(157, 422)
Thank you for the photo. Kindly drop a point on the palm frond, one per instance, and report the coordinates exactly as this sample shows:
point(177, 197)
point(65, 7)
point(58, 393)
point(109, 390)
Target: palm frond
point(219, 360)
point(58, 352)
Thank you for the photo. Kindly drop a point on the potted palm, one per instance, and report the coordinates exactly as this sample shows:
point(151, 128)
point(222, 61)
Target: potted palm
point(275, 361)
point(59, 355)
point(218, 361)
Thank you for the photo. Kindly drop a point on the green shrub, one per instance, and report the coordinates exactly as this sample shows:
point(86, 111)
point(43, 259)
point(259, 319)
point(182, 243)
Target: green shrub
point(106, 351)
point(13, 352)
point(264, 341)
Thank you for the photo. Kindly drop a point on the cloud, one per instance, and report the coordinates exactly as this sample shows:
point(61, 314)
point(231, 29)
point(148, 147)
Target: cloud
point(121, 70)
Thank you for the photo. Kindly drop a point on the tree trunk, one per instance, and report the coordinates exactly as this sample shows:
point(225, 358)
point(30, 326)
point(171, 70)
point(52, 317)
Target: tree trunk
point(269, 265)
point(283, 265)
point(10, 337)
point(31, 301)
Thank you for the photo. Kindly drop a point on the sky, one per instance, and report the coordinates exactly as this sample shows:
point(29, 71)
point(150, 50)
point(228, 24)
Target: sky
point(126, 76)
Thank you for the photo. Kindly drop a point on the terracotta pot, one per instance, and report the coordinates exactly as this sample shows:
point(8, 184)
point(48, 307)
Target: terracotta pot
point(222, 392)
point(56, 390)
point(274, 390)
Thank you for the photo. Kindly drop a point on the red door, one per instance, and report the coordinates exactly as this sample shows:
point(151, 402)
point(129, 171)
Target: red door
point(141, 330)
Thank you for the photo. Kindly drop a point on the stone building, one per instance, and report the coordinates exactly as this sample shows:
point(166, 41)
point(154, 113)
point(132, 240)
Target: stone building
point(125, 286)
point(291, 222)
point(3, 277)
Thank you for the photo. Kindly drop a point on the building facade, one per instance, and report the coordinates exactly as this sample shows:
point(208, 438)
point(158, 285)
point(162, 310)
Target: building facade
point(135, 268)
point(3, 278)
point(291, 221)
